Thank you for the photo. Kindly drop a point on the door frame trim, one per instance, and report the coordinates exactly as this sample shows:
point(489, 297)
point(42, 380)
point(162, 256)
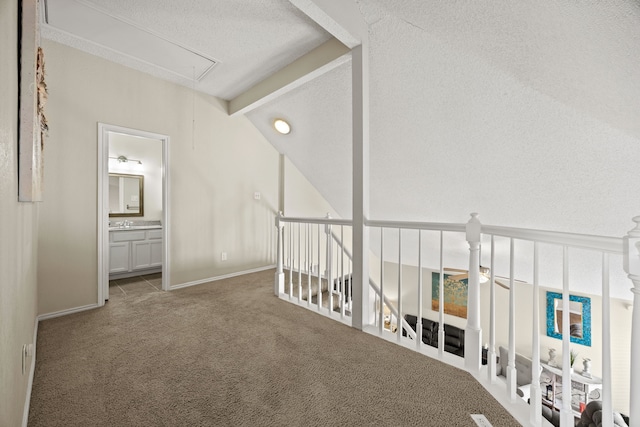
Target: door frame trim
point(103, 205)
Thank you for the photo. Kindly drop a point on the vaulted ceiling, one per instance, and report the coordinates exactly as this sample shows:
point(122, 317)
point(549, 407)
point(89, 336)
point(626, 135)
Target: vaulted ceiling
point(525, 112)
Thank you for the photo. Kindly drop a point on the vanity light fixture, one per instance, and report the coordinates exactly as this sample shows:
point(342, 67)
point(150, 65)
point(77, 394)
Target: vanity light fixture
point(282, 126)
point(124, 159)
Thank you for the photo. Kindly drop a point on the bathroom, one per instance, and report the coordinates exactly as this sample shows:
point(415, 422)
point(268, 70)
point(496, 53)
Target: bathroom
point(135, 204)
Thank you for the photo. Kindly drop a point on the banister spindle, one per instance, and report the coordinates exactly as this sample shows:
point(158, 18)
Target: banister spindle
point(419, 321)
point(299, 262)
point(566, 413)
point(607, 402)
point(632, 268)
point(473, 330)
point(327, 230)
point(491, 352)
point(399, 317)
point(310, 262)
point(511, 364)
point(291, 266)
point(536, 393)
point(381, 314)
point(319, 292)
point(278, 286)
point(441, 300)
point(343, 294)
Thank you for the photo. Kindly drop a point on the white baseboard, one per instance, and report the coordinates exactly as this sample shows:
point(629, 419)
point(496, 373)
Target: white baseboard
point(226, 276)
point(32, 370)
point(67, 311)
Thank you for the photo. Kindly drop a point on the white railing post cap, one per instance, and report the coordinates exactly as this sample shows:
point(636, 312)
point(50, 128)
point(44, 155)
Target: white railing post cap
point(631, 259)
point(474, 228)
point(278, 217)
point(327, 227)
point(635, 231)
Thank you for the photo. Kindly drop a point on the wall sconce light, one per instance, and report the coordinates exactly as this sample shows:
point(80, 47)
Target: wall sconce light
point(282, 126)
point(124, 159)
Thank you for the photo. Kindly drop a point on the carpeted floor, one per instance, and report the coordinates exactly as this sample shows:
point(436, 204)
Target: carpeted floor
point(229, 353)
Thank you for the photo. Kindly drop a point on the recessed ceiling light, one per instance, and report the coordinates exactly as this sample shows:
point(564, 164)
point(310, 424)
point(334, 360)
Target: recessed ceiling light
point(282, 126)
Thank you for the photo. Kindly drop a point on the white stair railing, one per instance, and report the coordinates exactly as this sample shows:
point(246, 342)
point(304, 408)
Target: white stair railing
point(336, 259)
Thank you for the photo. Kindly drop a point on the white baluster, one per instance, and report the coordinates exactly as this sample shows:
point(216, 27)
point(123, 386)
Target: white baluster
point(491, 352)
point(381, 280)
point(310, 263)
point(343, 294)
point(399, 317)
point(441, 300)
point(327, 230)
point(278, 286)
point(473, 330)
point(511, 363)
point(632, 268)
point(535, 392)
point(319, 296)
point(291, 266)
point(607, 402)
point(419, 321)
point(566, 413)
point(299, 262)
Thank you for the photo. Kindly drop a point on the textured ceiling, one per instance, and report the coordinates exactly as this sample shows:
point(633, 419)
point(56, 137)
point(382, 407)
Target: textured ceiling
point(250, 39)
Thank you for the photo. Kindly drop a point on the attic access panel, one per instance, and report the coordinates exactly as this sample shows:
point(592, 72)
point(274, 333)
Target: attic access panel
point(86, 21)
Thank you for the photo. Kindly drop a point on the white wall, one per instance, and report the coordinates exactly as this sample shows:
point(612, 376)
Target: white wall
point(620, 319)
point(18, 236)
point(149, 152)
point(215, 167)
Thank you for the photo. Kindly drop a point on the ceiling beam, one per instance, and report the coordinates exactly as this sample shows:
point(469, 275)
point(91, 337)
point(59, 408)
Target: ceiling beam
point(340, 18)
point(304, 69)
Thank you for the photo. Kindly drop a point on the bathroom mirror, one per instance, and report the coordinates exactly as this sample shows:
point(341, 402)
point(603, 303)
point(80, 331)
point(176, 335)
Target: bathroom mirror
point(579, 318)
point(126, 195)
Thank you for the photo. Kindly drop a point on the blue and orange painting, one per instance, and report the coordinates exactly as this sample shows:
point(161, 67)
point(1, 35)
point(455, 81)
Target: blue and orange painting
point(455, 295)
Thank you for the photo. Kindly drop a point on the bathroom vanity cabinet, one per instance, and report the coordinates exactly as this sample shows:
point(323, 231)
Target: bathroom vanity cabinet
point(134, 251)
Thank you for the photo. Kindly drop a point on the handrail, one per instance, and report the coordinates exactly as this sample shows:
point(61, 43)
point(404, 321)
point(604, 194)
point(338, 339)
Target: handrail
point(411, 225)
point(612, 245)
point(328, 221)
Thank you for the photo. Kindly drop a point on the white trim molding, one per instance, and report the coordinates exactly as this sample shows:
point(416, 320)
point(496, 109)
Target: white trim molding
point(32, 370)
point(67, 311)
point(225, 276)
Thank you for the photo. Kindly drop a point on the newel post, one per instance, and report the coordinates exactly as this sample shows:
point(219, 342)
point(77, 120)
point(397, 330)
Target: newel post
point(278, 286)
point(327, 230)
point(473, 331)
point(632, 268)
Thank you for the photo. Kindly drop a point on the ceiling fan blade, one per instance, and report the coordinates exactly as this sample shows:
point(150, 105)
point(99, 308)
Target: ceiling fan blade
point(499, 283)
point(455, 269)
point(507, 279)
point(459, 277)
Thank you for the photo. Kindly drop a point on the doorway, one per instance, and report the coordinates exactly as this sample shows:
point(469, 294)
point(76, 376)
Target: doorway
point(124, 151)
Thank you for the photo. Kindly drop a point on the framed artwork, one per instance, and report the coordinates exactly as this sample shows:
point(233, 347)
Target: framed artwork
point(455, 295)
point(579, 318)
point(33, 96)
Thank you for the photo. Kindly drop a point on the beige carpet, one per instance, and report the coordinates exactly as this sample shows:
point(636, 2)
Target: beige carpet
point(229, 353)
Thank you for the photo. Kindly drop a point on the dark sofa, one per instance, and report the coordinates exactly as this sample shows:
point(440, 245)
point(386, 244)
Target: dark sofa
point(453, 336)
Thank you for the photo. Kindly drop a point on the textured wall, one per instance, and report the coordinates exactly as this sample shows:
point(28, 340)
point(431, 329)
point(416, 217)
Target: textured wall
point(18, 234)
point(215, 167)
point(525, 114)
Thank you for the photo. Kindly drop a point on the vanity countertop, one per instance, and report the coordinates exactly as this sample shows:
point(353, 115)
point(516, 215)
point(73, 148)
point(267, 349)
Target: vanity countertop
point(135, 225)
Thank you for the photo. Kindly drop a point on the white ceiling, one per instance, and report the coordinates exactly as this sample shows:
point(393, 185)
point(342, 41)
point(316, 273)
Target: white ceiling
point(525, 112)
point(249, 39)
